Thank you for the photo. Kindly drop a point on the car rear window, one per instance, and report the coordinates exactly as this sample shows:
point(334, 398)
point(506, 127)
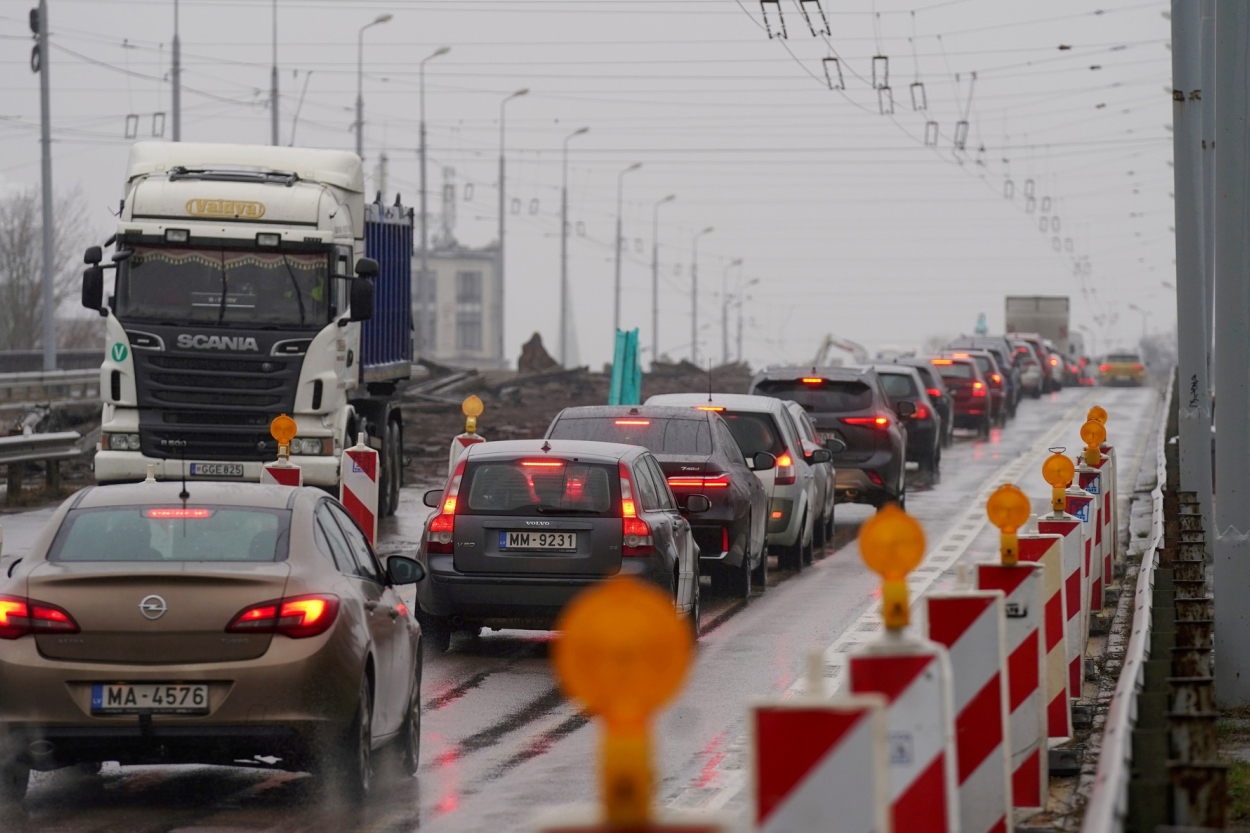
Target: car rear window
point(1123, 358)
point(539, 487)
point(659, 436)
point(754, 432)
point(927, 376)
point(955, 370)
point(899, 386)
point(827, 397)
point(172, 534)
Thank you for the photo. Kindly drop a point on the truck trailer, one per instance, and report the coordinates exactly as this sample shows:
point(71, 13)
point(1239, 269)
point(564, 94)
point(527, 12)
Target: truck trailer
point(251, 281)
point(1046, 315)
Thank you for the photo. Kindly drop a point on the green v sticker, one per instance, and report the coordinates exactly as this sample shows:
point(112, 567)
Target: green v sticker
point(119, 352)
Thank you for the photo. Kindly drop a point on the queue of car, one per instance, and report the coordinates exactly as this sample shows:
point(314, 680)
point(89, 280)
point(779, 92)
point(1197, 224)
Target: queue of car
point(235, 624)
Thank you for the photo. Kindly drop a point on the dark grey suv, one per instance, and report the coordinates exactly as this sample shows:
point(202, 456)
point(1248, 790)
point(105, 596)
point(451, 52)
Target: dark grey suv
point(523, 526)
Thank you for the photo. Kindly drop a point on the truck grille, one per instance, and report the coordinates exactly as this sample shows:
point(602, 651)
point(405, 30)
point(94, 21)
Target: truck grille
point(217, 442)
point(259, 384)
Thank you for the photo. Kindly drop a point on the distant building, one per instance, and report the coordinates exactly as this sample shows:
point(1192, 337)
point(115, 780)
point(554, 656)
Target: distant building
point(467, 313)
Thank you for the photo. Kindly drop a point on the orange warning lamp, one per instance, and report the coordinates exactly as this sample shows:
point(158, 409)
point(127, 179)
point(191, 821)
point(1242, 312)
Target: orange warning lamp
point(623, 654)
point(1058, 471)
point(1093, 433)
point(472, 409)
point(1097, 414)
point(282, 429)
point(891, 543)
point(1008, 509)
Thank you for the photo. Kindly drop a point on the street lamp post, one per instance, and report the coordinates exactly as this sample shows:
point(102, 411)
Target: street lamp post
point(427, 295)
point(360, 83)
point(1144, 315)
point(655, 276)
point(616, 286)
point(724, 308)
point(742, 298)
point(564, 247)
point(694, 296)
point(273, 82)
point(503, 213)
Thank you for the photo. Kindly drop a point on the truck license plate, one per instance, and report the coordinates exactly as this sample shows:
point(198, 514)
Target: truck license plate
point(160, 698)
point(216, 469)
point(558, 541)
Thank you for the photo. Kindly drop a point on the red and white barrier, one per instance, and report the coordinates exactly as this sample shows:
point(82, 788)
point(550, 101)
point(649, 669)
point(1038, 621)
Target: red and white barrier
point(459, 444)
point(1111, 487)
point(972, 627)
point(1022, 585)
point(1074, 602)
point(914, 676)
point(1090, 480)
point(281, 472)
point(1106, 474)
point(1080, 503)
point(820, 765)
point(358, 486)
point(1047, 550)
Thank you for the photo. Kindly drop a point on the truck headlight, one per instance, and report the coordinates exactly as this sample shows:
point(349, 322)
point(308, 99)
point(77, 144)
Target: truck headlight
point(312, 445)
point(121, 442)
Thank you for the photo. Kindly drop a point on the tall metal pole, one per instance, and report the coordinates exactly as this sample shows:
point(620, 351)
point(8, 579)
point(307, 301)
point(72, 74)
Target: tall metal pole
point(1188, 106)
point(360, 83)
point(273, 83)
point(503, 213)
point(616, 285)
point(1208, 170)
point(742, 288)
point(694, 297)
point(564, 248)
point(1232, 352)
point(175, 79)
point(724, 308)
point(46, 197)
point(655, 276)
point(424, 342)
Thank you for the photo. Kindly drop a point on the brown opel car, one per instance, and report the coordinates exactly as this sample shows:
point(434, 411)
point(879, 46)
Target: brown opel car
point(244, 622)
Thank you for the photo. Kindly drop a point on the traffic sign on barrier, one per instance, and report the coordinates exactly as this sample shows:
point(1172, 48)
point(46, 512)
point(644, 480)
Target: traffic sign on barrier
point(1075, 604)
point(358, 486)
point(1047, 550)
point(820, 765)
point(972, 627)
point(1022, 585)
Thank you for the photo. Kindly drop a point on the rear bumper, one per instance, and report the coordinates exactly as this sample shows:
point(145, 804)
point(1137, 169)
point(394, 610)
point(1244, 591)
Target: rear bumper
point(517, 601)
point(46, 748)
point(786, 529)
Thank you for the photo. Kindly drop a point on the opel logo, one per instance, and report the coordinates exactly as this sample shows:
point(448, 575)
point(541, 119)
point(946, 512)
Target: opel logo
point(152, 607)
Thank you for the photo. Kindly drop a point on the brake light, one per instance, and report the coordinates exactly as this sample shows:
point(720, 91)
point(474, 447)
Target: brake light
point(978, 389)
point(997, 379)
point(20, 616)
point(813, 381)
point(297, 617)
point(785, 474)
point(628, 508)
point(940, 361)
point(708, 408)
point(961, 355)
point(1104, 367)
point(933, 392)
point(633, 422)
point(1137, 367)
point(543, 464)
point(715, 481)
point(167, 514)
point(880, 421)
point(636, 539)
point(443, 525)
point(1054, 360)
point(921, 412)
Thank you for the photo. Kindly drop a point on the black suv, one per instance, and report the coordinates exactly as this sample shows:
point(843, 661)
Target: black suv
point(850, 405)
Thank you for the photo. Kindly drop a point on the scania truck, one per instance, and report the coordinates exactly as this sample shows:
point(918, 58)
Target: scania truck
point(251, 281)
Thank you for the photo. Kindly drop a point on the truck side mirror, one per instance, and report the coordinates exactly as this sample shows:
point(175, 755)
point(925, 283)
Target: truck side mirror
point(93, 255)
point(366, 267)
point(361, 299)
point(93, 286)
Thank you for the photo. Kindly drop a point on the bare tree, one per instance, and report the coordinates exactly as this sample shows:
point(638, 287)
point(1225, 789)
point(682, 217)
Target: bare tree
point(21, 262)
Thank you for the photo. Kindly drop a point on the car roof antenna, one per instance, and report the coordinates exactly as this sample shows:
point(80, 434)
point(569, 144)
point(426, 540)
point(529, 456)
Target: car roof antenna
point(709, 380)
point(184, 495)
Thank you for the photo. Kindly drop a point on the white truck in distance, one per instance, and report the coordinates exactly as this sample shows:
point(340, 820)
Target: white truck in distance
point(1046, 315)
point(251, 281)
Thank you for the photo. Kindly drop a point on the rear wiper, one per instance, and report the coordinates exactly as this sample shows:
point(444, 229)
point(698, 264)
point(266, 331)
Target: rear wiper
point(560, 510)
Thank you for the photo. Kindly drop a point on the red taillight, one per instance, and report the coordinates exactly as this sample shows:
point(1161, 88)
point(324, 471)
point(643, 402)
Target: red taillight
point(1104, 367)
point(933, 392)
point(1137, 367)
point(707, 481)
point(785, 474)
point(921, 412)
point(997, 379)
point(297, 617)
point(19, 617)
point(874, 477)
point(442, 530)
point(629, 509)
point(1054, 360)
point(978, 389)
point(636, 540)
point(880, 421)
point(182, 514)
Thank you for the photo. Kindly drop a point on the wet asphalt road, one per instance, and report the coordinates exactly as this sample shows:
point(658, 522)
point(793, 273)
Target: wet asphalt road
point(499, 742)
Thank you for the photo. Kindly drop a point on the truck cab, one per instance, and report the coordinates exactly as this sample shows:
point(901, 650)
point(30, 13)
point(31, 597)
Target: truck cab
point(243, 290)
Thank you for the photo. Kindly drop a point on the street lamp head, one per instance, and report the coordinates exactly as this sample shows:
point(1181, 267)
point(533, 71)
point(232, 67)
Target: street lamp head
point(581, 130)
point(520, 92)
point(633, 167)
point(442, 50)
point(669, 198)
point(708, 230)
point(382, 18)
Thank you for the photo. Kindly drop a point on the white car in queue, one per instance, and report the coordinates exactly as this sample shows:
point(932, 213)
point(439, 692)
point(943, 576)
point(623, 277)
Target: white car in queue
point(764, 423)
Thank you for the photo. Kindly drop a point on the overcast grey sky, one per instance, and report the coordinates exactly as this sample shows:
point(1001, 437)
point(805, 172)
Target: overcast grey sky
point(851, 224)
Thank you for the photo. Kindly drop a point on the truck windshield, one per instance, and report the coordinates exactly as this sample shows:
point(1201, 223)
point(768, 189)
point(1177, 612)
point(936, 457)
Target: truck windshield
point(224, 286)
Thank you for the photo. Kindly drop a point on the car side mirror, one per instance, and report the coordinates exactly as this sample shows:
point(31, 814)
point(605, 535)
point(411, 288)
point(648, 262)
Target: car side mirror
point(820, 455)
point(93, 286)
point(697, 503)
point(401, 569)
point(433, 498)
point(906, 408)
point(762, 461)
point(835, 446)
point(362, 297)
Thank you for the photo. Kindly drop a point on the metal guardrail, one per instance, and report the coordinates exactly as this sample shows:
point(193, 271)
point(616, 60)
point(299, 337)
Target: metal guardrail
point(1108, 807)
point(53, 384)
point(28, 448)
